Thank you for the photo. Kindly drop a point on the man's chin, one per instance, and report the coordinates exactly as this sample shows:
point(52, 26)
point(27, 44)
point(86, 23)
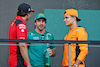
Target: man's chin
point(41, 29)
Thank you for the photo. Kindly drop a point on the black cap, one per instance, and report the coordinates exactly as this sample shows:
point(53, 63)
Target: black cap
point(23, 9)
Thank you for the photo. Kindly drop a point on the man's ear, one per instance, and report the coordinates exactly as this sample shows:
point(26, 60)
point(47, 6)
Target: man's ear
point(35, 22)
point(75, 18)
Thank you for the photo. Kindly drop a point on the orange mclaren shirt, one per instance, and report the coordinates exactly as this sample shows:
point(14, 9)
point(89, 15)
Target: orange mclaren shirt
point(77, 52)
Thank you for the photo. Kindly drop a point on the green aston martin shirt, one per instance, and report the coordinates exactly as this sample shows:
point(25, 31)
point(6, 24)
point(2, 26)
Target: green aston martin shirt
point(37, 50)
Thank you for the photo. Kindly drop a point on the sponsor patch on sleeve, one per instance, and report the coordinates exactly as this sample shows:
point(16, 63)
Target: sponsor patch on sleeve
point(22, 27)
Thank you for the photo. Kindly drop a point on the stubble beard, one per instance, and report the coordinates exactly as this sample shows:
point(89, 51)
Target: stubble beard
point(41, 29)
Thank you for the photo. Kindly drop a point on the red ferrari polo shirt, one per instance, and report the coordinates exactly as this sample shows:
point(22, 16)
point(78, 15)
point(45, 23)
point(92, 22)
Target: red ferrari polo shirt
point(17, 30)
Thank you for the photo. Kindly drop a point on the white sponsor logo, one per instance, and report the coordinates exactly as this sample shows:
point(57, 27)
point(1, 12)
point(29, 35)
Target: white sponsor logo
point(47, 36)
point(29, 9)
point(32, 34)
point(36, 38)
point(77, 29)
point(22, 30)
point(22, 37)
point(22, 26)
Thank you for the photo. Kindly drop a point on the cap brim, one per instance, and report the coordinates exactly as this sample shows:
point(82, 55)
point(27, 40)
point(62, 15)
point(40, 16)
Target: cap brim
point(42, 18)
point(78, 19)
point(32, 10)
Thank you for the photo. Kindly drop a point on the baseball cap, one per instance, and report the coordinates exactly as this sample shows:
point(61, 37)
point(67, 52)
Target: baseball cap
point(23, 9)
point(40, 15)
point(72, 12)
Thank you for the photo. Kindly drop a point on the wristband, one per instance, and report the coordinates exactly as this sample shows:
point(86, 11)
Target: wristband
point(75, 65)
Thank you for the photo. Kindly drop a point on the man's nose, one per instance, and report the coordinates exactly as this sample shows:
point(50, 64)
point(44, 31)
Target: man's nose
point(41, 22)
point(64, 20)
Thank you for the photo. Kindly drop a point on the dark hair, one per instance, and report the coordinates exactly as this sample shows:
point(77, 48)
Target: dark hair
point(41, 18)
point(22, 15)
point(76, 18)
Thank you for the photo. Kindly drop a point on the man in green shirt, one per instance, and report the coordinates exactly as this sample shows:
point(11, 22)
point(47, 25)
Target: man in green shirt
point(37, 50)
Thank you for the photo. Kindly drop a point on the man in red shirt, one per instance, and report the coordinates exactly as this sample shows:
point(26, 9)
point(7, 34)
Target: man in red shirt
point(18, 30)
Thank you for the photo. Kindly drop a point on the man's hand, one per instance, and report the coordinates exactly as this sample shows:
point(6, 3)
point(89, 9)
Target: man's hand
point(76, 63)
point(51, 52)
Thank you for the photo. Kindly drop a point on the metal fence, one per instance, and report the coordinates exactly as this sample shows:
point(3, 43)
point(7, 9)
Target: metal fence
point(91, 43)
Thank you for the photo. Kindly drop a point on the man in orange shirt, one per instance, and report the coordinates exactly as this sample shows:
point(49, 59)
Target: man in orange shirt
point(78, 51)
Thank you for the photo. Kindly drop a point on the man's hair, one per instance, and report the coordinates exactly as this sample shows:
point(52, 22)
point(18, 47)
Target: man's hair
point(64, 12)
point(76, 18)
point(23, 15)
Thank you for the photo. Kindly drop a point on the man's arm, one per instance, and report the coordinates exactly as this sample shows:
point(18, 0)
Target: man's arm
point(24, 53)
point(82, 35)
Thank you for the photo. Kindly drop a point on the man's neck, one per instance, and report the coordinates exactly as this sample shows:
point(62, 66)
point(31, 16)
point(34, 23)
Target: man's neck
point(24, 18)
point(74, 25)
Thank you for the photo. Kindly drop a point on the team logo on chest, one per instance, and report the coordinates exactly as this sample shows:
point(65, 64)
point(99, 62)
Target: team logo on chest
point(35, 38)
point(32, 34)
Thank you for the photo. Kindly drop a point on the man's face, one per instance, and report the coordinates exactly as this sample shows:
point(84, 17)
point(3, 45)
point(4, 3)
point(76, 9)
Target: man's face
point(68, 20)
point(40, 24)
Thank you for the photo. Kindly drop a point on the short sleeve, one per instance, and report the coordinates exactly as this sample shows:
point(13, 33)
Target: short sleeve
point(21, 31)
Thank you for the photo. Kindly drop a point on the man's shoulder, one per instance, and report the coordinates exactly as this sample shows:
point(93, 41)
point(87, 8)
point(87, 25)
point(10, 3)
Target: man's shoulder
point(31, 33)
point(81, 30)
point(18, 22)
point(48, 33)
